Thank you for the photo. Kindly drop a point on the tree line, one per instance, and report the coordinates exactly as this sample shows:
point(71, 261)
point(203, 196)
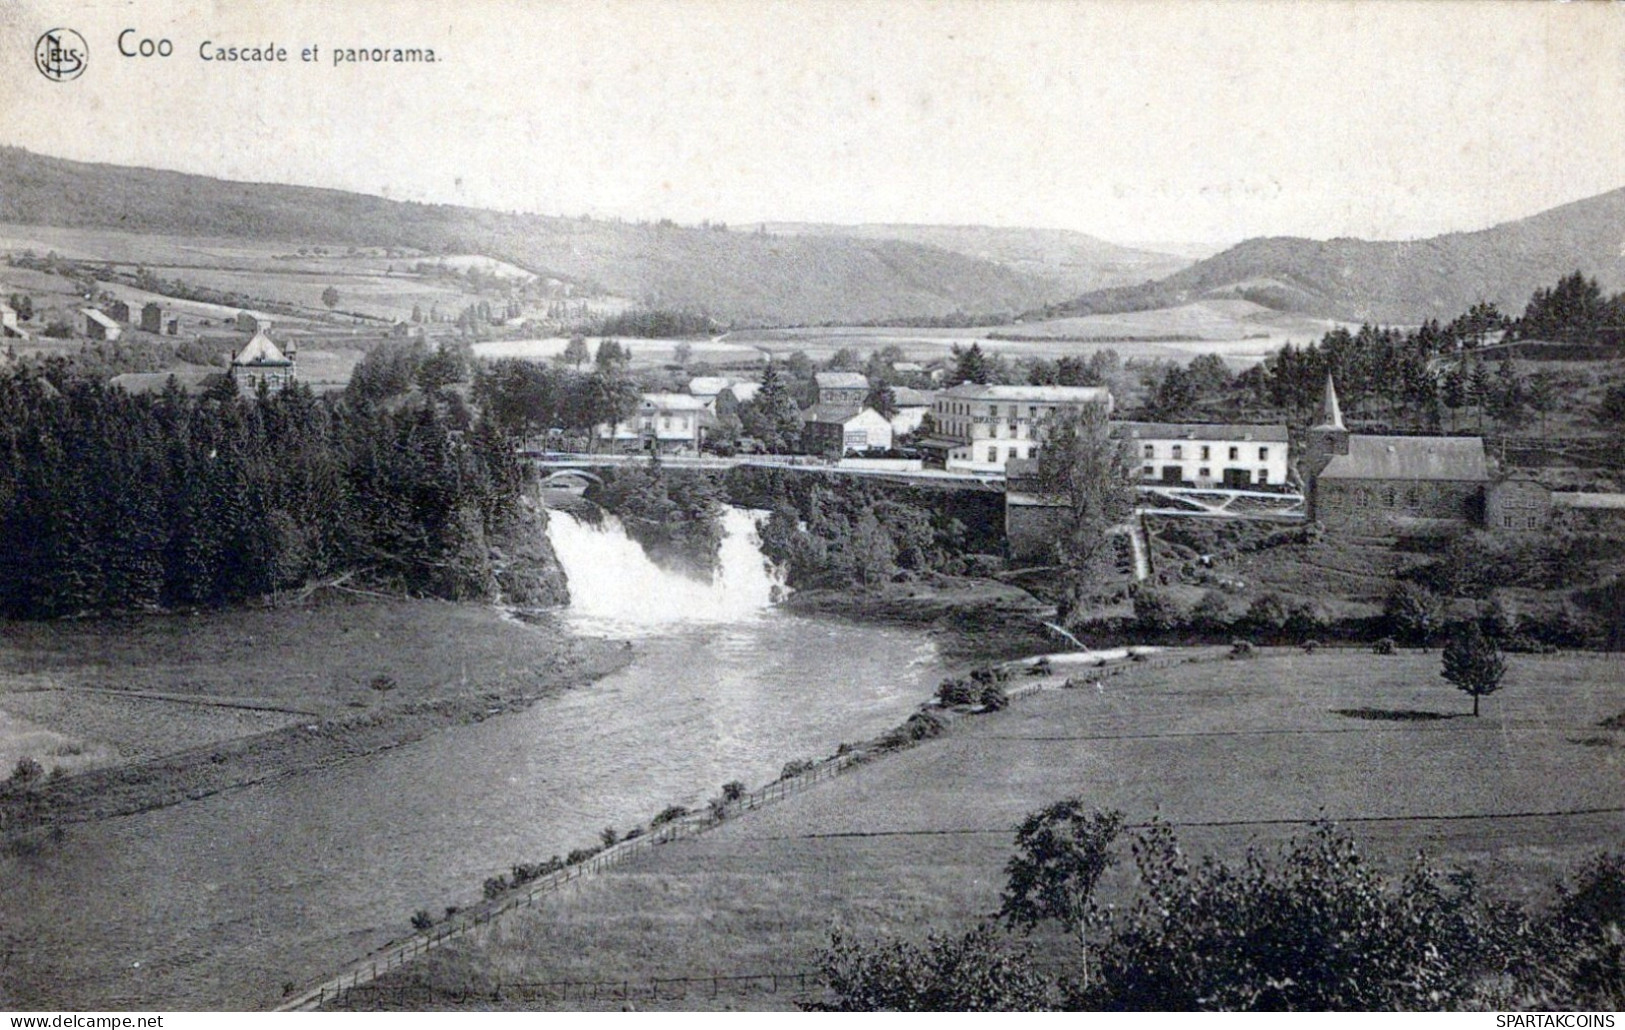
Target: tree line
point(111, 502)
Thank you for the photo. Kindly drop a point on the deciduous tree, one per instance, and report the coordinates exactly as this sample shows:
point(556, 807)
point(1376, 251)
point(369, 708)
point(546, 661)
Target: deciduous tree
point(1473, 663)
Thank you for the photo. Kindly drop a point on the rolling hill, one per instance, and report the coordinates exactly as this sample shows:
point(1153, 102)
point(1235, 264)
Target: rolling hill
point(1396, 281)
point(1076, 260)
point(743, 277)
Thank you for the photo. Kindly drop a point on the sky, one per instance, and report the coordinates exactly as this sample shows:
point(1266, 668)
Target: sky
point(1134, 121)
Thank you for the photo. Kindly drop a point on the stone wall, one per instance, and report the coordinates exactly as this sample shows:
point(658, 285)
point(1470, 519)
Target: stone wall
point(1381, 507)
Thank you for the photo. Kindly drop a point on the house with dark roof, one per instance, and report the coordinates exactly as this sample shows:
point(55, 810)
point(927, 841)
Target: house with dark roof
point(842, 389)
point(1382, 485)
point(100, 327)
point(836, 429)
point(262, 361)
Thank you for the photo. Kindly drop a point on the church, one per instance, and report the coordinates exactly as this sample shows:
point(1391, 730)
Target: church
point(1386, 485)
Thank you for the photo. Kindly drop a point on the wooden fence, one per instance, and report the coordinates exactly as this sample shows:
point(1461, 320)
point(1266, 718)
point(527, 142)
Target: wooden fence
point(398, 954)
point(795, 984)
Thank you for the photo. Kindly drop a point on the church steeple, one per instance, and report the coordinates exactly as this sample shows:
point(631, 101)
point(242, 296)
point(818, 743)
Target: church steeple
point(1331, 413)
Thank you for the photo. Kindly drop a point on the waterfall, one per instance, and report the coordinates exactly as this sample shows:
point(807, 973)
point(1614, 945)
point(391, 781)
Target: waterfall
point(612, 579)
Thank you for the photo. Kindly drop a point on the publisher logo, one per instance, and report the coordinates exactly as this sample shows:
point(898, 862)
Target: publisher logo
point(61, 55)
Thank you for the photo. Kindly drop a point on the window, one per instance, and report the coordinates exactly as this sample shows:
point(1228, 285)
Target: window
point(1506, 520)
point(1150, 451)
point(1148, 472)
point(993, 455)
point(1032, 413)
point(1205, 473)
point(1179, 451)
point(1263, 475)
point(1235, 452)
point(1205, 456)
point(1263, 454)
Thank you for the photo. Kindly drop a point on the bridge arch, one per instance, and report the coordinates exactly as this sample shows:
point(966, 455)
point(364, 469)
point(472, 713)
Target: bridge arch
point(570, 474)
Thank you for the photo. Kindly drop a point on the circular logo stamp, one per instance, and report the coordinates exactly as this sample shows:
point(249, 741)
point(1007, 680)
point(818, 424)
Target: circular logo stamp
point(61, 55)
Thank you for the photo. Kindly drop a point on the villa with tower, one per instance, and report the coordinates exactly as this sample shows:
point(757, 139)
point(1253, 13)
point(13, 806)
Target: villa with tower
point(262, 362)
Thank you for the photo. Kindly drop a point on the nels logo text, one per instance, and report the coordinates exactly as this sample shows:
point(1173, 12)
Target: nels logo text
point(61, 55)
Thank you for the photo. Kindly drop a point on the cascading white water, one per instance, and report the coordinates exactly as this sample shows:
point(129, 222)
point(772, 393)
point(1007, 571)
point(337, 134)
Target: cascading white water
point(612, 579)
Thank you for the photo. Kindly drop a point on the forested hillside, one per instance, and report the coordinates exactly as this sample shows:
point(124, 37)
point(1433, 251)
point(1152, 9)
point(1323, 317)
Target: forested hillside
point(111, 502)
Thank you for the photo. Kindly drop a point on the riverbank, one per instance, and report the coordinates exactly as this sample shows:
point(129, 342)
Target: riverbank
point(126, 715)
point(971, 619)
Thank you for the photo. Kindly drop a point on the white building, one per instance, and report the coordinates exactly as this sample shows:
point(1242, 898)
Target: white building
point(8, 323)
point(979, 428)
point(706, 388)
point(912, 407)
point(672, 423)
point(832, 429)
point(261, 361)
point(1233, 456)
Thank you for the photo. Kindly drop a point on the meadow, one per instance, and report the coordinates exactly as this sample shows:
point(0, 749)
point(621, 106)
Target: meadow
point(1235, 754)
point(86, 693)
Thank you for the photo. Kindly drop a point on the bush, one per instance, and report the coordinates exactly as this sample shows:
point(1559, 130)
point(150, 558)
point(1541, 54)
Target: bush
point(985, 674)
point(1242, 649)
point(496, 886)
point(952, 692)
point(382, 684)
point(795, 768)
point(27, 774)
point(422, 920)
point(1306, 619)
point(1311, 646)
point(1040, 667)
point(634, 833)
point(1315, 930)
point(608, 836)
point(733, 791)
point(717, 809)
point(670, 813)
point(994, 698)
point(580, 855)
point(982, 971)
point(1267, 615)
point(1385, 646)
point(1412, 613)
point(1212, 613)
point(1157, 611)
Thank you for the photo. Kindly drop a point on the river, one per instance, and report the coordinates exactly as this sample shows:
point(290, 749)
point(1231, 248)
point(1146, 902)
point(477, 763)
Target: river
point(222, 901)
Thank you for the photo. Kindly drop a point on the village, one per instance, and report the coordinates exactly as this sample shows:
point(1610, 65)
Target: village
point(819, 507)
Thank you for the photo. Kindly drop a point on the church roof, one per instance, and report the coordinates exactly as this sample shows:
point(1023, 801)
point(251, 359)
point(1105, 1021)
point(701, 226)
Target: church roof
point(1415, 458)
point(260, 351)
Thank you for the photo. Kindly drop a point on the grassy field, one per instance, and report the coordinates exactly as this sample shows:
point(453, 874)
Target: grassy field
point(97, 692)
point(1242, 332)
point(1234, 753)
